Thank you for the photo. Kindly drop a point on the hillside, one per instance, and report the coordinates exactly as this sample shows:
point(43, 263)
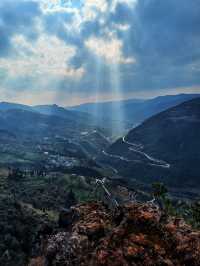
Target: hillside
point(23, 121)
point(52, 110)
point(41, 225)
point(29, 208)
point(56, 110)
point(165, 147)
point(5, 106)
point(29, 138)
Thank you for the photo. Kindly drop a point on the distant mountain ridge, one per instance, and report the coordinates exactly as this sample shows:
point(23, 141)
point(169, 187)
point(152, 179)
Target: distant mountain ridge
point(115, 117)
point(132, 112)
point(55, 109)
point(42, 120)
point(51, 109)
point(5, 106)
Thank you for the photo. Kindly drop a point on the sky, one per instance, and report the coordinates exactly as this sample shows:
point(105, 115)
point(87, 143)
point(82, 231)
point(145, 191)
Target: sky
point(75, 51)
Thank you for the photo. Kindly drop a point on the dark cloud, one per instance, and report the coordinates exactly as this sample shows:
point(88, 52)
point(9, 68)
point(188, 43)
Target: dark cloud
point(168, 28)
point(16, 17)
point(164, 37)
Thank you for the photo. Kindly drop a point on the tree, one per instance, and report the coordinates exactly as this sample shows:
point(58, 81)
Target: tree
point(160, 192)
point(195, 210)
point(70, 199)
point(15, 174)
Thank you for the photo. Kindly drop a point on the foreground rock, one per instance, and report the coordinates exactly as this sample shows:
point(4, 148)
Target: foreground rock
point(136, 234)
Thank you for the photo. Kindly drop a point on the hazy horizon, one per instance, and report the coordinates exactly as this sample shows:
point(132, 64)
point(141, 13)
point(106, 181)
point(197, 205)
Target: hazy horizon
point(100, 101)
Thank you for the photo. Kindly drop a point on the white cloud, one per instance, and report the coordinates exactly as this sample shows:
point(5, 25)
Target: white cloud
point(87, 10)
point(121, 27)
point(47, 57)
point(100, 5)
point(91, 8)
point(130, 3)
point(50, 4)
point(110, 50)
point(53, 6)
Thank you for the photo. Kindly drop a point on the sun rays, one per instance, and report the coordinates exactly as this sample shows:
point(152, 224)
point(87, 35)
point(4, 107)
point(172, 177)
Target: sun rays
point(117, 111)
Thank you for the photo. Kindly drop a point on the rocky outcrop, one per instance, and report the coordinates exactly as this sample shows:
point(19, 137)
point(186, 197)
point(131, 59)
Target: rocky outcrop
point(135, 234)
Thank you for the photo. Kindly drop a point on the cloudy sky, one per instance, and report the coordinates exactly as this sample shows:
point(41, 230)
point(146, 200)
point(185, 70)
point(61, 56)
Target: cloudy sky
point(73, 51)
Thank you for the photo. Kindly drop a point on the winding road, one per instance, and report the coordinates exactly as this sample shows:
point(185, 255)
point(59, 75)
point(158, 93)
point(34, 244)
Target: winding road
point(155, 162)
point(117, 156)
point(139, 146)
point(137, 149)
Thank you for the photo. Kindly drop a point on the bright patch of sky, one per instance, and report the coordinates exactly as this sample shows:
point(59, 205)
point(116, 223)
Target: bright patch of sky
point(109, 49)
point(47, 57)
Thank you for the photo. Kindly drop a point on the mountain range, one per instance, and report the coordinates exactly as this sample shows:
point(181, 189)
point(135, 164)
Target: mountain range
point(123, 115)
point(53, 110)
point(108, 115)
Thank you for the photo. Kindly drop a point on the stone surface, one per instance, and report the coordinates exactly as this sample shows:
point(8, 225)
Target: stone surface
point(132, 235)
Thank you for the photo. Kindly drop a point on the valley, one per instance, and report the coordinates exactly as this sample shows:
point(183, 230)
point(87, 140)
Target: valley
point(69, 141)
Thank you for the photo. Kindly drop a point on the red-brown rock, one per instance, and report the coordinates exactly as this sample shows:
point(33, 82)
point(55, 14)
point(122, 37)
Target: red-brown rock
point(100, 238)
